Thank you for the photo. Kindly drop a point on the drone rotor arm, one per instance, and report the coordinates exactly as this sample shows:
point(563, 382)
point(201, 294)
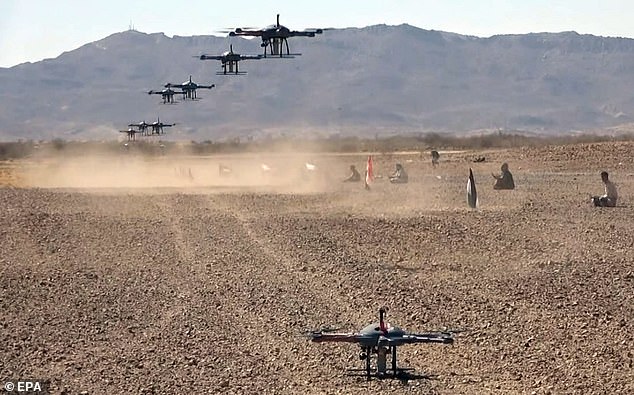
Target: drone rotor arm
point(247, 33)
point(432, 337)
point(211, 57)
point(250, 57)
point(302, 33)
point(321, 337)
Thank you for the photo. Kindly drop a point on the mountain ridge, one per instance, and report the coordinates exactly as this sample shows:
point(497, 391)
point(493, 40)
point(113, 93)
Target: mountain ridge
point(362, 81)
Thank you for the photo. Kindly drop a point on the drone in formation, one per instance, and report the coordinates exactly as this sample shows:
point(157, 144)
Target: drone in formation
point(230, 60)
point(157, 127)
point(136, 128)
point(146, 129)
point(167, 94)
point(140, 126)
point(274, 40)
point(381, 339)
point(188, 88)
point(275, 37)
point(131, 133)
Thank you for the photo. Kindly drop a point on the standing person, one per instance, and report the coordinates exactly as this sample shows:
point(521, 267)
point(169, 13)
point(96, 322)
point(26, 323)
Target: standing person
point(504, 180)
point(435, 156)
point(610, 197)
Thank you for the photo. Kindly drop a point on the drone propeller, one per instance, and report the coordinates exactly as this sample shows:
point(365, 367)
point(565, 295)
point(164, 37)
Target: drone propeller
point(320, 331)
point(237, 29)
point(283, 56)
point(453, 331)
point(319, 30)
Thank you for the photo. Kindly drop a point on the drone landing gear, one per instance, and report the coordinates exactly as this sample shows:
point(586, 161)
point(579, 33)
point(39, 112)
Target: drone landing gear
point(190, 94)
point(288, 51)
point(381, 370)
point(276, 46)
point(231, 68)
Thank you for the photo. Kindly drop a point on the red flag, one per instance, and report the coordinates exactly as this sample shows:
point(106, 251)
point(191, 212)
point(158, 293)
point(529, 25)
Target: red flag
point(369, 172)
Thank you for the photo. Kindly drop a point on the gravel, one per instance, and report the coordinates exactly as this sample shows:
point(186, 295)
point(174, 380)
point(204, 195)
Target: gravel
point(198, 292)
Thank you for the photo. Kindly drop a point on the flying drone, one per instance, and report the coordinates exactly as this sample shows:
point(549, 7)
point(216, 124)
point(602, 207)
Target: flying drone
point(157, 127)
point(275, 37)
point(131, 133)
point(189, 88)
point(230, 60)
point(167, 94)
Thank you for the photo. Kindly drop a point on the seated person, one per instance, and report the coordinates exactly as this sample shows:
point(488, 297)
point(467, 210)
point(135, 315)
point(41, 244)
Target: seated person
point(610, 197)
point(354, 176)
point(505, 180)
point(399, 176)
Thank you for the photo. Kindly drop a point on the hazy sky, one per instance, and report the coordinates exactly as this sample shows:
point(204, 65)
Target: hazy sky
point(31, 30)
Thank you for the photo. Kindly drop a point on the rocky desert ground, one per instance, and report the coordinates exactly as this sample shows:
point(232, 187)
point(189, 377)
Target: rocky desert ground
point(126, 275)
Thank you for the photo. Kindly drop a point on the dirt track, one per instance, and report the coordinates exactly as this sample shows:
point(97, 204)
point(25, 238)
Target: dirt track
point(187, 290)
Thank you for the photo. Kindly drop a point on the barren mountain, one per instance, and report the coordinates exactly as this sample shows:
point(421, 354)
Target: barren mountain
point(378, 79)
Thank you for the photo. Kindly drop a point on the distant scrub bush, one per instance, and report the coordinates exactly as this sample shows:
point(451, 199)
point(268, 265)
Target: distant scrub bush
point(15, 150)
point(383, 145)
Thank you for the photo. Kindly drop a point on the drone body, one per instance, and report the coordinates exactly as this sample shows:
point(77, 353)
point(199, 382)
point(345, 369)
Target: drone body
point(381, 338)
point(275, 37)
point(167, 94)
point(157, 127)
point(141, 127)
point(230, 60)
point(189, 88)
point(131, 133)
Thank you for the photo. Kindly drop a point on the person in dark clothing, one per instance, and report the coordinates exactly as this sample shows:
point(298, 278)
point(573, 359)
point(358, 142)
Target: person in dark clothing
point(504, 180)
point(399, 176)
point(354, 176)
point(435, 156)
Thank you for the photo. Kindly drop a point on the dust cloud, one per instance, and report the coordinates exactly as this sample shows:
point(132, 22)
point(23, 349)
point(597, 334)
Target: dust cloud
point(430, 188)
point(280, 172)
